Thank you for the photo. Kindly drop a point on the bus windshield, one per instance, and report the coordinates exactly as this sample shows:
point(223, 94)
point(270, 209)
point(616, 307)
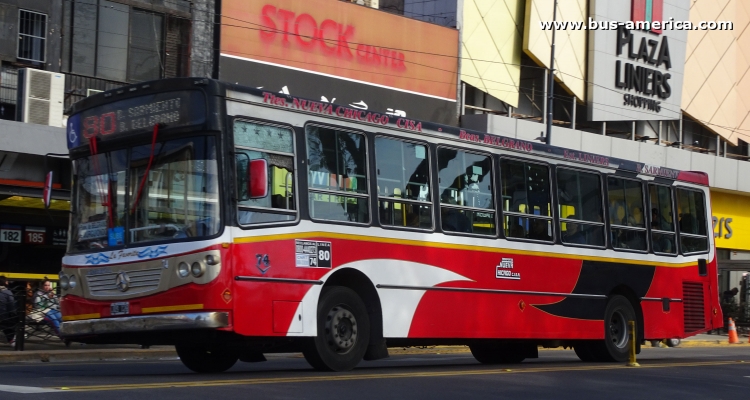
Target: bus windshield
point(179, 199)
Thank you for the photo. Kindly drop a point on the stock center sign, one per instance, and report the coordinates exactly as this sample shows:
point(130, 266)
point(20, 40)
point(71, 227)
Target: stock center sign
point(636, 59)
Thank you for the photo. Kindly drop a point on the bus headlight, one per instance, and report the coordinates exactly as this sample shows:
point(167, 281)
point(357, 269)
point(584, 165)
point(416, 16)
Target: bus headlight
point(197, 269)
point(64, 283)
point(73, 281)
point(183, 269)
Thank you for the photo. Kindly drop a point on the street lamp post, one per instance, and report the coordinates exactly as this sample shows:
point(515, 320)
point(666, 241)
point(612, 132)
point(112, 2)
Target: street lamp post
point(551, 82)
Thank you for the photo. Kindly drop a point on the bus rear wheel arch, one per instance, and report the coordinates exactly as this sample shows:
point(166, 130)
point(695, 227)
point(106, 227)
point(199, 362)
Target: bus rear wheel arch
point(616, 343)
point(343, 331)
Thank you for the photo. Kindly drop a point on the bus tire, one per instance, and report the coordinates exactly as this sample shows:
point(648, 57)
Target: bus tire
point(343, 331)
point(204, 360)
point(496, 353)
point(616, 338)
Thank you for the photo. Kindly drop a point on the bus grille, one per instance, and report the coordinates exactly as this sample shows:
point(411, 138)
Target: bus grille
point(141, 281)
point(693, 306)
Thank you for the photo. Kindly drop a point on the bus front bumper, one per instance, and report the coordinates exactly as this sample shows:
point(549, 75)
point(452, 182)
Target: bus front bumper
point(145, 323)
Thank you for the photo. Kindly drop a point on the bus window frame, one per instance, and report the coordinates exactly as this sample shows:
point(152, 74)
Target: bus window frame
point(605, 210)
point(136, 140)
point(431, 202)
point(552, 191)
point(644, 200)
point(367, 137)
point(233, 162)
point(673, 203)
point(440, 205)
point(677, 225)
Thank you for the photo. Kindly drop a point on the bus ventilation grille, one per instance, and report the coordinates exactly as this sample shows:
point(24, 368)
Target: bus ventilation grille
point(693, 306)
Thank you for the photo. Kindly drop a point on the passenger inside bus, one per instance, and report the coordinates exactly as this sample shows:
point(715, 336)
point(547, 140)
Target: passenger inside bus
point(573, 233)
point(539, 230)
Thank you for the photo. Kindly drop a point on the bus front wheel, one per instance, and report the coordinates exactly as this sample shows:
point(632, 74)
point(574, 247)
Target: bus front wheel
point(205, 360)
point(343, 331)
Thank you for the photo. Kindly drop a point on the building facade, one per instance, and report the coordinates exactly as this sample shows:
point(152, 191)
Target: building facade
point(52, 54)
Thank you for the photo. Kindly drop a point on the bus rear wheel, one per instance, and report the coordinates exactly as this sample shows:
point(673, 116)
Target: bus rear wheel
point(343, 331)
point(616, 341)
point(206, 360)
point(497, 353)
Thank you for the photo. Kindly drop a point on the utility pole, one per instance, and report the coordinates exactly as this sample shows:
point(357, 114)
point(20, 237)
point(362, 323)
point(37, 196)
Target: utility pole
point(551, 83)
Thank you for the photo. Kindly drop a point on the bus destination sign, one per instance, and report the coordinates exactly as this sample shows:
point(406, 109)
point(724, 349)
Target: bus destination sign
point(136, 115)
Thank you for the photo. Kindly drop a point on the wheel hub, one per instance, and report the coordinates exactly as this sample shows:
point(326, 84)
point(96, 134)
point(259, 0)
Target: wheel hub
point(341, 329)
point(618, 332)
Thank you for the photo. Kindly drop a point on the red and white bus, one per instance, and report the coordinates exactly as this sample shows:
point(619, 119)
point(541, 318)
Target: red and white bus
point(232, 222)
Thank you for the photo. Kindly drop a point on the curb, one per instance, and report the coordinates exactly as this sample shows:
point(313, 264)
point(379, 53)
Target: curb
point(85, 355)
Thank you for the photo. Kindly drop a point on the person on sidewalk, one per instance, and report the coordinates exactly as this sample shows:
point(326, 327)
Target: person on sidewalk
point(46, 301)
point(7, 312)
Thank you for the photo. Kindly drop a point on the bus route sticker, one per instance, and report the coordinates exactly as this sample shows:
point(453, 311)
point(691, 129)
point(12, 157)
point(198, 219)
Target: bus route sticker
point(505, 270)
point(312, 254)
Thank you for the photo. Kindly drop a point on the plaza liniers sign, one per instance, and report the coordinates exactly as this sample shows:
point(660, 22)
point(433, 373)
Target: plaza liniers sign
point(731, 221)
point(137, 114)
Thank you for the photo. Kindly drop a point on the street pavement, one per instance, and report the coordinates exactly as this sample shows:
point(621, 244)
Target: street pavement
point(715, 372)
point(54, 350)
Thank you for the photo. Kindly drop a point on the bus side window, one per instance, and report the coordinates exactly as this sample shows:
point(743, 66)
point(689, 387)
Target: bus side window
point(583, 192)
point(661, 220)
point(274, 144)
point(693, 223)
point(337, 175)
point(403, 174)
point(526, 198)
point(466, 201)
point(627, 223)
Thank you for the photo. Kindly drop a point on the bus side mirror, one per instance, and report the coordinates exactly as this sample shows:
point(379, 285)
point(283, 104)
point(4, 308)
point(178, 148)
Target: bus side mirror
point(47, 192)
point(257, 178)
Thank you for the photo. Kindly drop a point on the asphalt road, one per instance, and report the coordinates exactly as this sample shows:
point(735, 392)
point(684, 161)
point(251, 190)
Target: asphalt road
point(678, 373)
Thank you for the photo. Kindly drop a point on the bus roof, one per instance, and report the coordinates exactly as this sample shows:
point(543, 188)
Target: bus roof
point(293, 103)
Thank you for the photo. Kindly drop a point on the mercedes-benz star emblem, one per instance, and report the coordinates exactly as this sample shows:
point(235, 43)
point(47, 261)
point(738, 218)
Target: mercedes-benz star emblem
point(122, 281)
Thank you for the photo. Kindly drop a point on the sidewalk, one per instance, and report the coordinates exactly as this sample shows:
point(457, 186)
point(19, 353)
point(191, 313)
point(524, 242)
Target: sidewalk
point(55, 351)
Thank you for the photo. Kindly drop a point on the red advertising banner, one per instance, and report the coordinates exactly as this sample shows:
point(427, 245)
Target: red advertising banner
point(343, 40)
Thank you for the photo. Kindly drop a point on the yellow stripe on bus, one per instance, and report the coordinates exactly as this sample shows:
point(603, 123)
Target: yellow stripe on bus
point(81, 316)
point(348, 236)
point(184, 307)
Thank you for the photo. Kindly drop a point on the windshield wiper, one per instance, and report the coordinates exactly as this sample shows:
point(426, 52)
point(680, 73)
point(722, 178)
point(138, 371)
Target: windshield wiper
point(97, 173)
point(148, 168)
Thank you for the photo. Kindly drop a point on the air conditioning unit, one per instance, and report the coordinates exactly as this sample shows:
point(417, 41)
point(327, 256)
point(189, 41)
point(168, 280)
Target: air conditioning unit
point(91, 92)
point(368, 3)
point(40, 97)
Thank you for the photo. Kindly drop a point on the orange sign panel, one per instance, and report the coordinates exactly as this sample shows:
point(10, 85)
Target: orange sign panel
point(343, 40)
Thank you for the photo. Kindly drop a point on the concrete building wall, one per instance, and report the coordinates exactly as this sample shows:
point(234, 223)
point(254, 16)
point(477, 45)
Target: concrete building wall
point(717, 92)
